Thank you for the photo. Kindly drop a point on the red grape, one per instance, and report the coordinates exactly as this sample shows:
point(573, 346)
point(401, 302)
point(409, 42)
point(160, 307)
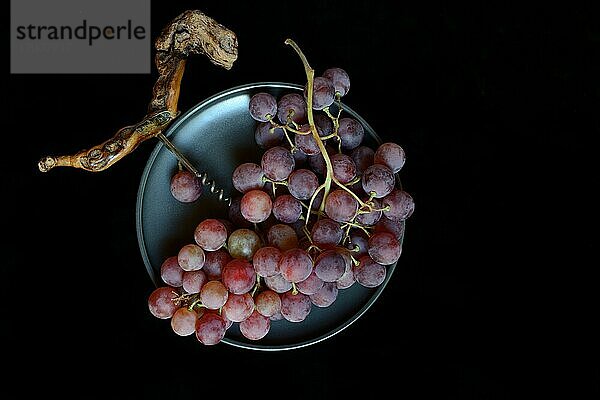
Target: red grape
point(340, 206)
point(268, 303)
point(358, 238)
point(243, 243)
point(267, 136)
point(183, 322)
point(277, 283)
point(344, 169)
point(391, 155)
point(293, 106)
point(295, 265)
point(295, 307)
point(310, 285)
point(255, 327)
point(282, 236)
point(171, 273)
point(323, 93)
point(191, 257)
point(214, 263)
point(248, 176)
point(370, 218)
point(401, 205)
point(306, 143)
point(162, 302)
point(210, 234)
point(213, 295)
point(277, 163)
point(266, 261)
point(238, 307)
point(387, 225)
point(330, 266)
point(378, 179)
point(194, 280)
point(239, 276)
point(326, 233)
point(210, 328)
point(369, 273)
point(346, 280)
point(323, 123)
point(185, 186)
point(256, 206)
point(340, 80)
point(235, 214)
point(325, 296)
point(363, 158)
point(287, 209)
point(384, 248)
point(302, 184)
point(262, 107)
point(351, 133)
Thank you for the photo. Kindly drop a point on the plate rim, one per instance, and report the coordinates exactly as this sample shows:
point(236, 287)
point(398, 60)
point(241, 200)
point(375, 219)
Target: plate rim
point(140, 197)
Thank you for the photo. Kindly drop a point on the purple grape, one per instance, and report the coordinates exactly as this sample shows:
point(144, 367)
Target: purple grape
point(267, 136)
point(248, 176)
point(295, 307)
point(330, 266)
point(310, 285)
point(323, 93)
point(369, 273)
point(235, 214)
point(326, 233)
point(363, 157)
point(340, 206)
point(277, 283)
point(287, 209)
point(384, 248)
point(344, 169)
point(360, 239)
point(306, 143)
point(291, 105)
point(351, 133)
point(370, 218)
point(302, 184)
point(266, 261)
point(282, 236)
point(346, 280)
point(340, 80)
point(325, 296)
point(317, 162)
point(324, 124)
point(401, 205)
point(214, 263)
point(393, 227)
point(391, 155)
point(277, 163)
point(185, 187)
point(378, 179)
point(262, 107)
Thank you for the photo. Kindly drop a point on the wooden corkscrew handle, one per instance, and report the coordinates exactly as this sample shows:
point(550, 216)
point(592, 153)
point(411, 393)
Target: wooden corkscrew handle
point(192, 32)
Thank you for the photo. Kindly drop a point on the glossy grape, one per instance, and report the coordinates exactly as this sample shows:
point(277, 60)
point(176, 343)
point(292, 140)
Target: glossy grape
point(293, 106)
point(378, 179)
point(307, 143)
point(358, 238)
point(340, 80)
point(191, 257)
point(256, 206)
point(287, 209)
point(213, 295)
point(210, 328)
point(238, 276)
point(183, 322)
point(344, 169)
point(330, 266)
point(161, 302)
point(310, 285)
point(185, 187)
point(243, 243)
point(282, 236)
point(326, 233)
point(370, 218)
point(238, 307)
point(302, 184)
point(267, 136)
point(268, 303)
point(248, 176)
point(384, 248)
point(363, 157)
point(401, 205)
point(210, 234)
point(193, 281)
point(214, 263)
point(323, 93)
point(351, 133)
point(255, 327)
point(295, 265)
point(295, 308)
point(340, 206)
point(171, 273)
point(325, 296)
point(277, 283)
point(391, 155)
point(266, 261)
point(369, 273)
point(262, 107)
point(277, 163)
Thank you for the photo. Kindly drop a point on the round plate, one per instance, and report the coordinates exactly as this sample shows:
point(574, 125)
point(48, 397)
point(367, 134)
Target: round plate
point(216, 136)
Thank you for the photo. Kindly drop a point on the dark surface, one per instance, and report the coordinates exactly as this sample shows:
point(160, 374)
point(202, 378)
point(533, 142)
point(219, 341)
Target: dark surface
point(496, 293)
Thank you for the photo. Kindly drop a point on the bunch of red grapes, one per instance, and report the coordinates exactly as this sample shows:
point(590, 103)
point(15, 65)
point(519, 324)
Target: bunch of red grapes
point(319, 214)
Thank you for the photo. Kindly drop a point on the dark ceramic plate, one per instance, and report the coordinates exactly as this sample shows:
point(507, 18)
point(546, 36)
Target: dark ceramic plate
point(216, 136)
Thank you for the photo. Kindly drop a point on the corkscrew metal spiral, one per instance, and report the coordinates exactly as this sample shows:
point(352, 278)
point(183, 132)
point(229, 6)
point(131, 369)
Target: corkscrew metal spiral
point(203, 176)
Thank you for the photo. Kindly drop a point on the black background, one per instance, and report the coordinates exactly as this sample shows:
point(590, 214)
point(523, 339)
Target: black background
point(495, 295)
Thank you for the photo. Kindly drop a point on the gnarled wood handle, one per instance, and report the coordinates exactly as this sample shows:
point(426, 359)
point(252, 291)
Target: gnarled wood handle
point(192, 32)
